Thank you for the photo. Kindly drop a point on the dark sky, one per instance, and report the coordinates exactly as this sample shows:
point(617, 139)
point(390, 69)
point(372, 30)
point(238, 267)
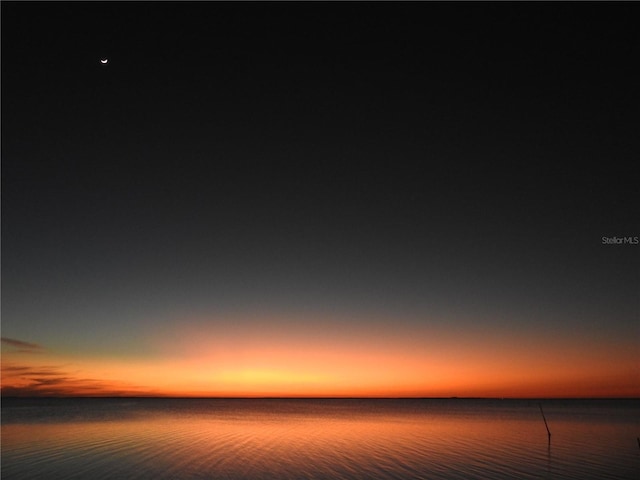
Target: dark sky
point(455, 161)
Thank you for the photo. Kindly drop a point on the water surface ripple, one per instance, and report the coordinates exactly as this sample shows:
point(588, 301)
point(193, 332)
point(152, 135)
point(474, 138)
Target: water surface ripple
point(318, 439)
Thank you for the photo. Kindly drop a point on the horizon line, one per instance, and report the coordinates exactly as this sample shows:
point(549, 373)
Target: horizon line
point(289, 397)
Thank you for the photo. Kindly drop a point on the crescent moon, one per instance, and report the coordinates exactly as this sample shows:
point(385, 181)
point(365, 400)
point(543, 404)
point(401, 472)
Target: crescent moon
point(104, 61)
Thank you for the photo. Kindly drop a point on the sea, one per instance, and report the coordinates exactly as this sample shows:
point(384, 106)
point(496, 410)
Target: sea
point(251, 439)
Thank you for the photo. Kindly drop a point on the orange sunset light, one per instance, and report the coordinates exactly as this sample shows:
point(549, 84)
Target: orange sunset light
point(198, 361)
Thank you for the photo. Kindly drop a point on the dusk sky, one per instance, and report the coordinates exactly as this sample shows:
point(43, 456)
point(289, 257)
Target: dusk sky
point(320, 199)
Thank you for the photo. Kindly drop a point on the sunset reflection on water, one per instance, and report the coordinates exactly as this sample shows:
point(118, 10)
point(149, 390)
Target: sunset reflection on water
point(315, 439)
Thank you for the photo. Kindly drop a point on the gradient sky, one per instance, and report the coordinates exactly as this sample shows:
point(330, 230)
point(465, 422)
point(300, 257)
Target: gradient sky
point(356, 199)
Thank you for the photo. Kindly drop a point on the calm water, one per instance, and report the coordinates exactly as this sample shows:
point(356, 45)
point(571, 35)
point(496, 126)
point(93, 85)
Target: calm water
point(318, 439)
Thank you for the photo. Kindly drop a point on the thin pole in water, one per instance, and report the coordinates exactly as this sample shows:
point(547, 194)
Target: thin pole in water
point(545, 422)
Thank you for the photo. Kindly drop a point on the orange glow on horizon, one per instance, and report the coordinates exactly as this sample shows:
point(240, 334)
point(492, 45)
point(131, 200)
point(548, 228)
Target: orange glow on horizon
point(201, 361)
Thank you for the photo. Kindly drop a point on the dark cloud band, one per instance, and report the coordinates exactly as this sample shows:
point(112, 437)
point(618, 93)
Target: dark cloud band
point(21, 344)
